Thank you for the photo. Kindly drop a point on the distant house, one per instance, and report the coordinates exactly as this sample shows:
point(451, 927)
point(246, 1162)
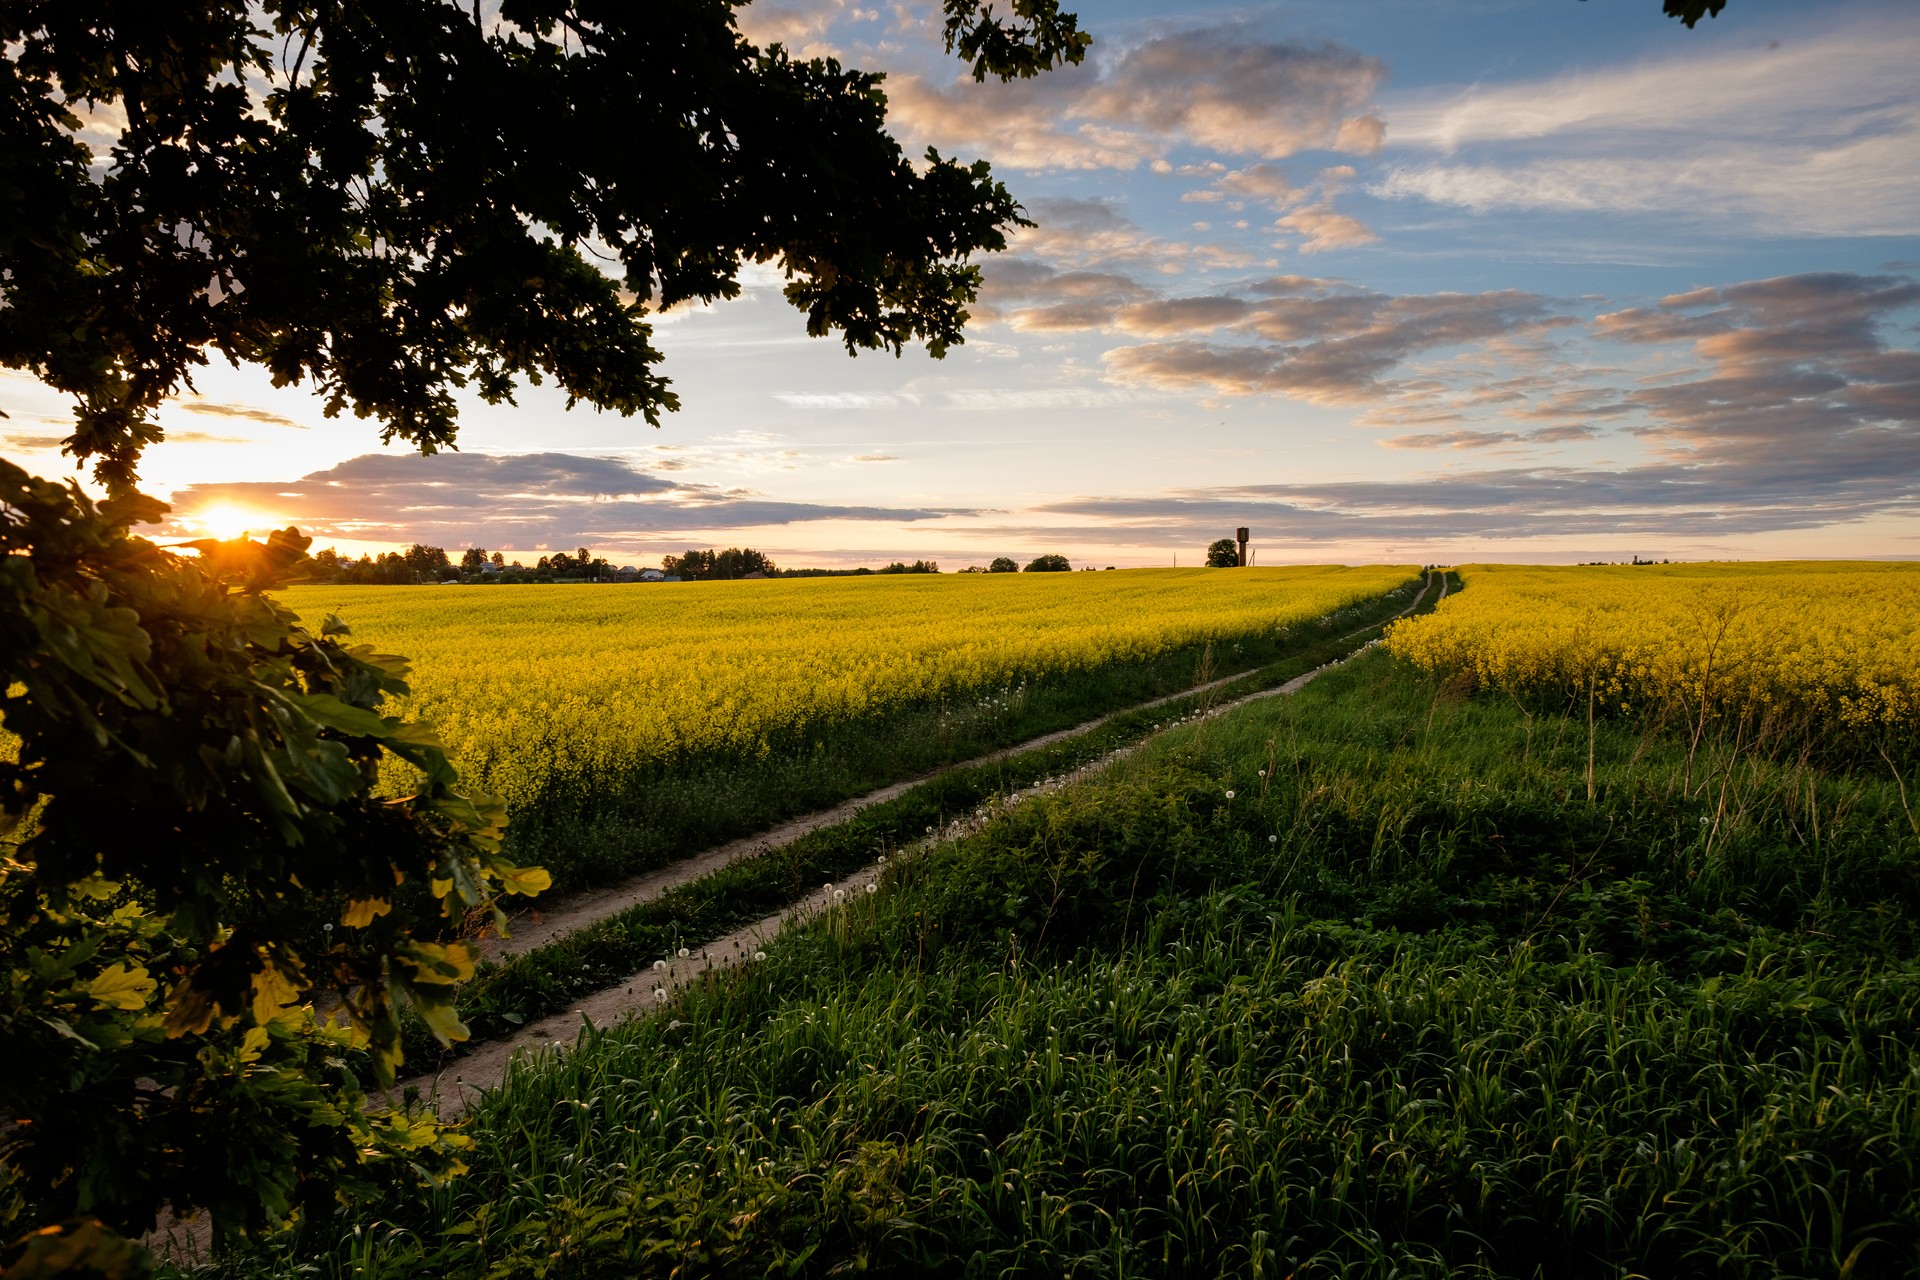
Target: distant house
point(653, 575)
point(755, 574)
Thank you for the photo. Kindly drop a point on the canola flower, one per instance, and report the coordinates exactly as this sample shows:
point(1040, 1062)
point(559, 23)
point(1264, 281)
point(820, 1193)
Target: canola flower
point(1828, 643)
point(519, 681)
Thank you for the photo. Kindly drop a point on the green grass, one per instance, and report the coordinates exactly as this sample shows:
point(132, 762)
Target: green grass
point(1408, 1003)
point(505, 996)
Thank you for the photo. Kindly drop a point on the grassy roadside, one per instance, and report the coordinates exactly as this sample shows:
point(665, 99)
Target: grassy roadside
point(1354, 982)
point(503, 997)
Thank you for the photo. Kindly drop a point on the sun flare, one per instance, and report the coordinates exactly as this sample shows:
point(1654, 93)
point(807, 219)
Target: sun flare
point(226, 521)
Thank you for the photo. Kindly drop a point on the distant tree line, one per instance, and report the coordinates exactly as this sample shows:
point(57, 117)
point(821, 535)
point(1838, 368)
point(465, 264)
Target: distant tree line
point(421, 564)
point(424, 564)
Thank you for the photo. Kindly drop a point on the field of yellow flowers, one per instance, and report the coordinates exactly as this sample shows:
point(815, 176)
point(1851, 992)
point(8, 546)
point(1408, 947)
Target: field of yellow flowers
point(1816, 644)
point(518, 678)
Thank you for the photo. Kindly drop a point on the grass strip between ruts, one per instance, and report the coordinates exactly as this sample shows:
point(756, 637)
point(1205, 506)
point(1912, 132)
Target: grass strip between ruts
point(501, 998)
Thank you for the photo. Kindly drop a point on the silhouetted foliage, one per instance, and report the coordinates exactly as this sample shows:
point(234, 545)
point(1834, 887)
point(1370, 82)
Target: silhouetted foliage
point(184, 749)
point(1049, 563)
point(1691, 11)
point(388, 200)
point(1223, 553)
point(719, 566)
point(1003, 564)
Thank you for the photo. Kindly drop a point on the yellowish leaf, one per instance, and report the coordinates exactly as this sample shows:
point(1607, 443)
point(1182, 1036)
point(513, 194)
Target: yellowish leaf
point(362, 912)
point(442, 1021)
point(253, 1043)
point(526, 880)
point(272, 992)
point(124, 986)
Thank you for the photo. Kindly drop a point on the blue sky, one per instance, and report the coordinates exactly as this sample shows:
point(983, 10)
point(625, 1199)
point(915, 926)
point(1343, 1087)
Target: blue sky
point(1381, 279)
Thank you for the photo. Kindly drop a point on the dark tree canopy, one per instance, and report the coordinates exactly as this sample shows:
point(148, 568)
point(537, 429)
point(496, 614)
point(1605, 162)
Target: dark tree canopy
point(399, 198)
point(1691, 11)
point(1223, 553)
point(1049, 563)
point(393, 200)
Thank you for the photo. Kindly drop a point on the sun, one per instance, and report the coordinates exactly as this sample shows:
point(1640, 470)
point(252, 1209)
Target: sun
point(225, 521)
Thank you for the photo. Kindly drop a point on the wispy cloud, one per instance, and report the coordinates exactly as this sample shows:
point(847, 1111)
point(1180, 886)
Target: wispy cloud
point(1216, 88)
point(520, 500)
point(213, 409)
point(1815, 134)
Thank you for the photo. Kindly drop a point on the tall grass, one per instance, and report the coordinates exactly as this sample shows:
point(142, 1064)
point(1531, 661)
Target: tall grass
point(1359, 982)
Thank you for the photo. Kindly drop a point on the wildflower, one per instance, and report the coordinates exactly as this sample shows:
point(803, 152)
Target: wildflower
point(873, 888)
point(759, 956)
point(683, 953)
point(1229, 795)
point(659, 966)
point(882, 859)
point(1273, 839)
point(659, 993)
point(839, 895)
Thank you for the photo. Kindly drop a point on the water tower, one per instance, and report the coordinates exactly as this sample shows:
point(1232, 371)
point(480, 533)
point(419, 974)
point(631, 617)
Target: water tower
point(1240, 536)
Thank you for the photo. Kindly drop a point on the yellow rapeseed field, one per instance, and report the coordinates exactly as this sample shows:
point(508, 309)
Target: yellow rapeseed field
point(517, 678)
point(1827, 642)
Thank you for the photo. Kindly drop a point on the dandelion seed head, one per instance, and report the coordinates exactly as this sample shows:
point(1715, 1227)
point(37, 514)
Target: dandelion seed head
point(759, 955)
point(683, 953)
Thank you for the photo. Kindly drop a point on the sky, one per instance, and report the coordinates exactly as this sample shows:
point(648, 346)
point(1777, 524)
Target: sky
point(1383, 280)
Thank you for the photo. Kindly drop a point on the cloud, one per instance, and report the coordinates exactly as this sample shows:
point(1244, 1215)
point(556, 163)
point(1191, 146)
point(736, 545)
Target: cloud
point(250, 414)
point(520, 500)
point(1326, 342)
point(1068, 232)
point(1210, 87)
point(799, 25)
point(845, 400)
point(1658, 501)
point(1470, 439)
point(1324, 229)
point(873, 457)
point(204, 437)
point(1817, 135)
point(1264, 183)
point(35, 442)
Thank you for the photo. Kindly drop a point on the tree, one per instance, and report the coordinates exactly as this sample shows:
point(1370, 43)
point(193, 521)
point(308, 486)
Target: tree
point(427, 564)
point(472, 560)
point(1049, 564)
point(1003, 564)
point(738, 562)
point(695, 566)
point(439, 180)
point(1691, 11)
point(192, 851)
point(1223, 553)
point(392, 200)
